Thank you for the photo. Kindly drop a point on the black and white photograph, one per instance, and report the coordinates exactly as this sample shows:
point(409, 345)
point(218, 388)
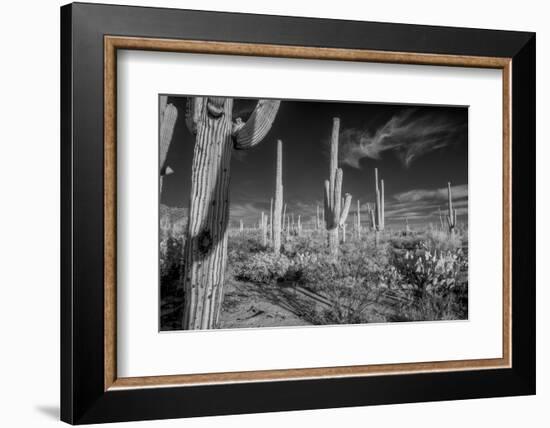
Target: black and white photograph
point(280, 213)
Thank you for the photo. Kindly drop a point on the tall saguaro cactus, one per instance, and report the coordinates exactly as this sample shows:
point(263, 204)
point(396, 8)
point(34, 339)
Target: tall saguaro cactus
point(278, 206)
point(168, 117)
point(216, 134)
point(336, 213)
point(379, 206)
point(451, 217)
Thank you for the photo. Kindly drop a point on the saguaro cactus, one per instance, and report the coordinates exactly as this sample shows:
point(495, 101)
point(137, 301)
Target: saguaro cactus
point(211, 120)
point(335, 213)
point(451, 217)
point(278, 206)
point(318, 220)
point(379, 206)
point(358, 219)
point(263, 222)
point(168, 117)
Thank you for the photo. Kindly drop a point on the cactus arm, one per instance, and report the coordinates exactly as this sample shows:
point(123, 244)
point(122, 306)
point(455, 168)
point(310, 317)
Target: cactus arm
point(162, 105)
point(168, 117)
point(345, 209)
point(327, 204)
point(215, 106)
point(168, 120)
point(257, 126)
point(193, 112)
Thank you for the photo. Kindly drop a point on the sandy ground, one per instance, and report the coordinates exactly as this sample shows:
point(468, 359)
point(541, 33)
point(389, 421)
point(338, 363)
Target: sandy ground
point(249, 305)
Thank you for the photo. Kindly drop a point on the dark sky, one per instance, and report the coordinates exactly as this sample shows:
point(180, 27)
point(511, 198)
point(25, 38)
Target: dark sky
point(417, 150)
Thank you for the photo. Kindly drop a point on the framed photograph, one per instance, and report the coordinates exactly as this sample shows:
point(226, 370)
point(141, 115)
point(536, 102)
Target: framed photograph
point(266, 213)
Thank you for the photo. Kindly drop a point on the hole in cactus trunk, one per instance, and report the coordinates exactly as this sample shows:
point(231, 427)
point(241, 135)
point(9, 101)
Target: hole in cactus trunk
point(205, 242)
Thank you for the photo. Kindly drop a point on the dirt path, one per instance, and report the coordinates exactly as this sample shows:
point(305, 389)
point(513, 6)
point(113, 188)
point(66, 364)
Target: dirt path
point(247, 305)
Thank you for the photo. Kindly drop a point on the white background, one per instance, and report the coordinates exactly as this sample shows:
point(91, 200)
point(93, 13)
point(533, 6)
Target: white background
point(29, 231)
point(142, 351)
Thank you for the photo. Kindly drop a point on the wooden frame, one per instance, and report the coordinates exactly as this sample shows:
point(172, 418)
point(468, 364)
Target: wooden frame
point(513, 53)
point(112, 43)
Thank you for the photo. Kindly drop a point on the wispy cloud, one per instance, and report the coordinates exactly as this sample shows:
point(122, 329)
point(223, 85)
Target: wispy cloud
point(440, 194)
point(426, 203)
point(408, 134)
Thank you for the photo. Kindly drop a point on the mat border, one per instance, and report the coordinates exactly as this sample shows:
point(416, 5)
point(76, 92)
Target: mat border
point(114, 43)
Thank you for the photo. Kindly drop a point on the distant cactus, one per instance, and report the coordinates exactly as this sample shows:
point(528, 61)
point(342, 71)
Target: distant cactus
point(358, 219)
point(318, 220)
point(378, 213)
point(210, 119)
point(263, 222)
point(168, 117)
point(335, 213)
point(287, 229)
point(451, 217)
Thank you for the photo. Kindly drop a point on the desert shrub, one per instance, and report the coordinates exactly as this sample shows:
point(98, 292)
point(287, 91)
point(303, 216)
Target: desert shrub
point(407, 242)
point(241, 246)
point(171, 263)
point(438, 240)
point(311, 243)
point(262, 267)
point(352, 283)
point(350, 299)
point(428, 283)
point(171, 292)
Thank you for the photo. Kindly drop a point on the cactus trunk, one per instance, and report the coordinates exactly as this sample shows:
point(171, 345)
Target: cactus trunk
point(278, 199)
point(378, 212)
point(206, 246)
point(271, 220)
point(205, 254)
